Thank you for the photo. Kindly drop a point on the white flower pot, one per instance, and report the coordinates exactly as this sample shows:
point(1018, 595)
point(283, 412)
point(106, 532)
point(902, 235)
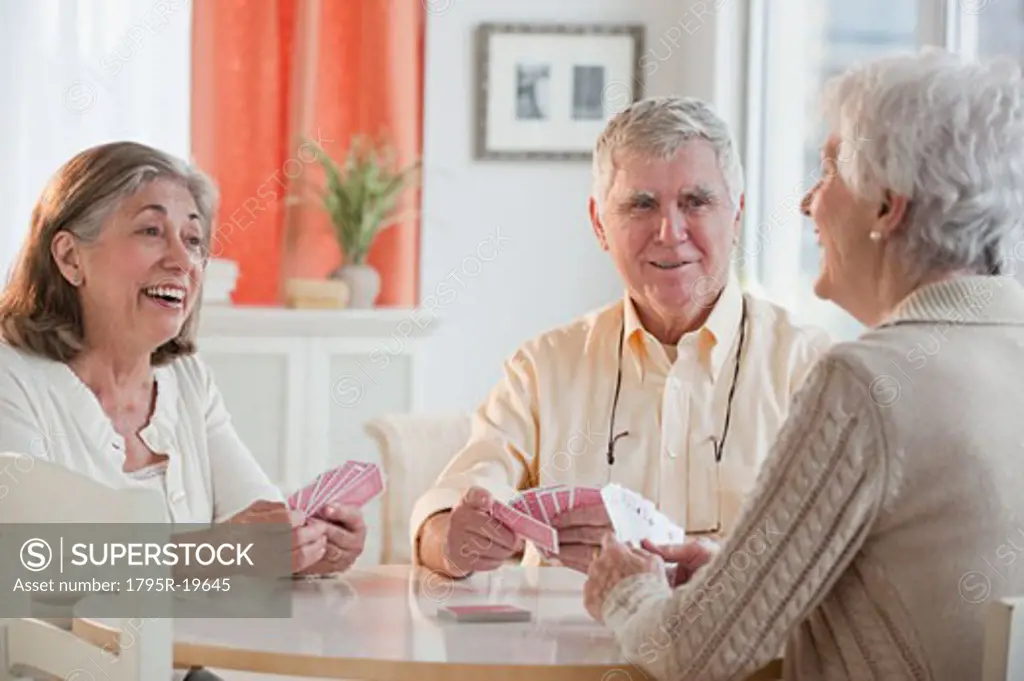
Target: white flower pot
point(363, 284)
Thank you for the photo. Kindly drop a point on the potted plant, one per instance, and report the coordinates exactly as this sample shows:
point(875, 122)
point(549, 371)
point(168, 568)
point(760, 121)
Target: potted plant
point(360, 197)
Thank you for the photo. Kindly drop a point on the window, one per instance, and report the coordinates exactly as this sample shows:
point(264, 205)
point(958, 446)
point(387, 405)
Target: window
point(86, 73)
point(794, 46)
point(999, 27)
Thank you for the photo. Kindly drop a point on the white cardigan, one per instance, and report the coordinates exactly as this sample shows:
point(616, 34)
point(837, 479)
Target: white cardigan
point(46, 411)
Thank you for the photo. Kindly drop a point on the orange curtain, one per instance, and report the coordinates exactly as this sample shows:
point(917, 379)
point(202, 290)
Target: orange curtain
point(268, 73)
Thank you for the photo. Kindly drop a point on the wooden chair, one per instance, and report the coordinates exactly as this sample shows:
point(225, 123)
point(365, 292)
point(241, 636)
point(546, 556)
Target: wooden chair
point(1004, 640)
point(36, 491)
point(414, 448)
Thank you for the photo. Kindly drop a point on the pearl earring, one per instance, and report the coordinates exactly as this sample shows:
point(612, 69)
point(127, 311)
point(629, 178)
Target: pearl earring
point(875, 235)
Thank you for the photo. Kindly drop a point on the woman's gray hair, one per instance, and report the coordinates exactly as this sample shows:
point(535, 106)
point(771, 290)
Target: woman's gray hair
point(39, 310)
point(657, 127)
point(946, 132)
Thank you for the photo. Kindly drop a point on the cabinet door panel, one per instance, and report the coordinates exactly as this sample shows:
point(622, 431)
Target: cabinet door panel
point(256, 379)
point(357, 391)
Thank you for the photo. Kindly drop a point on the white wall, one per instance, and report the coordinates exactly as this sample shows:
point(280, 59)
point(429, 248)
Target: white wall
point(549, 268)
point(82, 73)
point(97, 70)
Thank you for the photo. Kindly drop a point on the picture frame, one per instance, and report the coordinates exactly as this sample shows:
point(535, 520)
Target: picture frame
point(546, 91)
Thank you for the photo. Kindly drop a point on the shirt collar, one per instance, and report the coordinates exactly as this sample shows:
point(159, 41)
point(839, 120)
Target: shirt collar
point(715, 337)
point(165, 411)
point(724, 324)
point(974, 299)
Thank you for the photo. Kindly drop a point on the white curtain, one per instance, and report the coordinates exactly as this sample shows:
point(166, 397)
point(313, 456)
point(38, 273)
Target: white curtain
point(82, 72)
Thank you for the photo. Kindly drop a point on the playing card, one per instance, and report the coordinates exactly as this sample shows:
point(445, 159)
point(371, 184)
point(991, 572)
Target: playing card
point(336, 477)
point(533, 505)
point(635, 518)
point(313, 492)
point(526, 526)
point(563, 498)
point(368, 485)
point(337, 482)
point(587, 496)
point(354, 482)
point(306, 495)
point(316, 492)
point(484, 613)
point(548, 505)
point(302, 498)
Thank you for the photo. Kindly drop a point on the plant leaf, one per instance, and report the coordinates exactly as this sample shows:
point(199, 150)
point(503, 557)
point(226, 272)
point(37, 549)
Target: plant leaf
point(361, 195)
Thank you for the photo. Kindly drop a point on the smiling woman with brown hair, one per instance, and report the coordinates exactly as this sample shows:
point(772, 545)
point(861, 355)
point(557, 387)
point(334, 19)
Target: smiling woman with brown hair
point(98, 371)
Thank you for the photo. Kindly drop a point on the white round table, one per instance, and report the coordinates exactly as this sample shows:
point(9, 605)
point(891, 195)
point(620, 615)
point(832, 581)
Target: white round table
point(381, 624)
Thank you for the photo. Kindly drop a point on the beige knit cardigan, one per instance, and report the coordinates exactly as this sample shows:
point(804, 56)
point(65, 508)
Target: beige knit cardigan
point(890, 511)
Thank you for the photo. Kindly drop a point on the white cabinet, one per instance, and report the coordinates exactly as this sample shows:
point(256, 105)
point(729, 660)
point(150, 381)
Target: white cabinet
point(299, 385)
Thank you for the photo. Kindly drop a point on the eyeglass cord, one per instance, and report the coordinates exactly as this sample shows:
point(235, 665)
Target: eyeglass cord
point(720, 443)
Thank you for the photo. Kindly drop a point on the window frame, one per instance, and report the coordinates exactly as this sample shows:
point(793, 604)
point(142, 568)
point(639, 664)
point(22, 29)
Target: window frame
point(770, 245)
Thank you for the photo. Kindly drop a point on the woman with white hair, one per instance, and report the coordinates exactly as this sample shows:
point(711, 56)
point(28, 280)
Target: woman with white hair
point(98, 371)
point(882, 522)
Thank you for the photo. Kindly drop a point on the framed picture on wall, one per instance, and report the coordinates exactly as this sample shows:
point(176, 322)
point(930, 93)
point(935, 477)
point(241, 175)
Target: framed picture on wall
point(545, 91)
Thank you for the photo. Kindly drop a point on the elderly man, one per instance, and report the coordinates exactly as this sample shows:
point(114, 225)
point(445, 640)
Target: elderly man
point(676, 391)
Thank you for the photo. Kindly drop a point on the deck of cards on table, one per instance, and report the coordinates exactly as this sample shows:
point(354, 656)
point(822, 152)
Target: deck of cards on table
point(351, 484)
point(531, 512)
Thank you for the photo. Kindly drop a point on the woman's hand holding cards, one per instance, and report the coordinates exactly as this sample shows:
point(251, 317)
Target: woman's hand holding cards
point(684, 559)
point(331, 533)
point(342, 538)
point(308, 541)
point(329, 542)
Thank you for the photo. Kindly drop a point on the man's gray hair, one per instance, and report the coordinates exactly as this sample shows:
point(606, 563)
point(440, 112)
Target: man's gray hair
point(657, 127)
point(949, 134)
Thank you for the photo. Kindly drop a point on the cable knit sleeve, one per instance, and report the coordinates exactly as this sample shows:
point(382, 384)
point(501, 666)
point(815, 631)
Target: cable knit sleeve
point(812, 507)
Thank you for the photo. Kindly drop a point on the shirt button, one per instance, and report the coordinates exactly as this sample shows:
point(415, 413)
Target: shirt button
point(178, 497)
point(671, 452)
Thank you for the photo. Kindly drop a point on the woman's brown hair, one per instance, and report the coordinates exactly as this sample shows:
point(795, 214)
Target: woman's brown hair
point(39, 309)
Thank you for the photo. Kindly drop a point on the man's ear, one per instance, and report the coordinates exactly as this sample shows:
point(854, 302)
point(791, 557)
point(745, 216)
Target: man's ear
point(595, 222)
point(739, 218)
point(66, 254)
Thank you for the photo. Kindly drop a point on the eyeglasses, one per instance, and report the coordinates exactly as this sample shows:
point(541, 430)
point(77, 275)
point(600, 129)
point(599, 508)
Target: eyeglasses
point(614, 437)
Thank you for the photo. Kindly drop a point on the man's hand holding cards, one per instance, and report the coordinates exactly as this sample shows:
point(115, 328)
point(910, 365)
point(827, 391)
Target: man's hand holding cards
point(580, 531)
point(476, 540)
point(569, 522)
point(562, 521)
